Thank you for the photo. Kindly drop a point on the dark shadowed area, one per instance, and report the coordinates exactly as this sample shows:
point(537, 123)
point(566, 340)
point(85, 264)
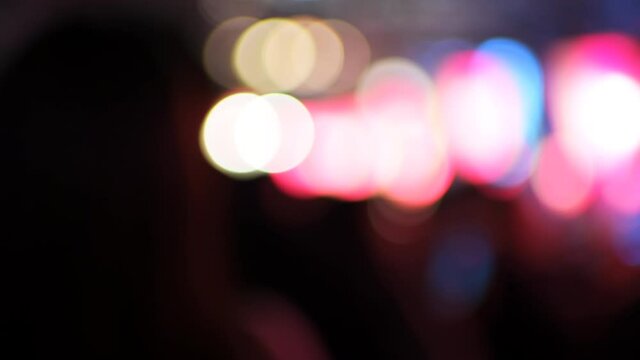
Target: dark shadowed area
point(119, 240)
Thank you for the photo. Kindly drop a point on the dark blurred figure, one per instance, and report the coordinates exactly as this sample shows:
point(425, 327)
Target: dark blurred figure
point(106, 251)
point(120, 241)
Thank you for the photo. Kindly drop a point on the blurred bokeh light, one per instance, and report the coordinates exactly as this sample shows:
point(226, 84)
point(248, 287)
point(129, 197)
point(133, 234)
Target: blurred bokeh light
point(406, 129)
point(551, 130)
point(320, 179)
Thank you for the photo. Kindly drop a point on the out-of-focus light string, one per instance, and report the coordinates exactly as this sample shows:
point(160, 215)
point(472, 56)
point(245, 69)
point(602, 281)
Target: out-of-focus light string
point(400, 130)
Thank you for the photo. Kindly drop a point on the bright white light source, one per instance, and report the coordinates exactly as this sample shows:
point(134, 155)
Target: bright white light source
point(257, 133)
point(603, 118)
point(245, 133)
point(218, 133)
point(296, 132)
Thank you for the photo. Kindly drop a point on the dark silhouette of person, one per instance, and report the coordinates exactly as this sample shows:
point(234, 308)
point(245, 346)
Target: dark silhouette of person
point(105, 249)
point(115, 233)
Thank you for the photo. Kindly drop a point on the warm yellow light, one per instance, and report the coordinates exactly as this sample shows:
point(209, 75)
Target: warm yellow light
point(357, 55)
point(218, 49)
point(329, 57)
point(274, 55)
point(289, 55)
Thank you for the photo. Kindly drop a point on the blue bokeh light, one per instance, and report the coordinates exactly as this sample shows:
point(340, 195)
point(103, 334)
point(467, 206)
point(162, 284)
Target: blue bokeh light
point(459, 270)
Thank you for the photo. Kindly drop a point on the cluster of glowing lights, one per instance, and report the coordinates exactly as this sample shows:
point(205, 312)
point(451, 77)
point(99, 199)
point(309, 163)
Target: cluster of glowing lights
point(382, 141)
point(246, 134)
point(483, 112)
point(304, 56)
point(594, 104)
point(595, 99)
point(404, 134)
point(411, 165)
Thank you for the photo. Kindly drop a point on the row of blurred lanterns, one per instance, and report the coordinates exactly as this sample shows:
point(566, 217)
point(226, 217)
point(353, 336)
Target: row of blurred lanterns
point(404, 129)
